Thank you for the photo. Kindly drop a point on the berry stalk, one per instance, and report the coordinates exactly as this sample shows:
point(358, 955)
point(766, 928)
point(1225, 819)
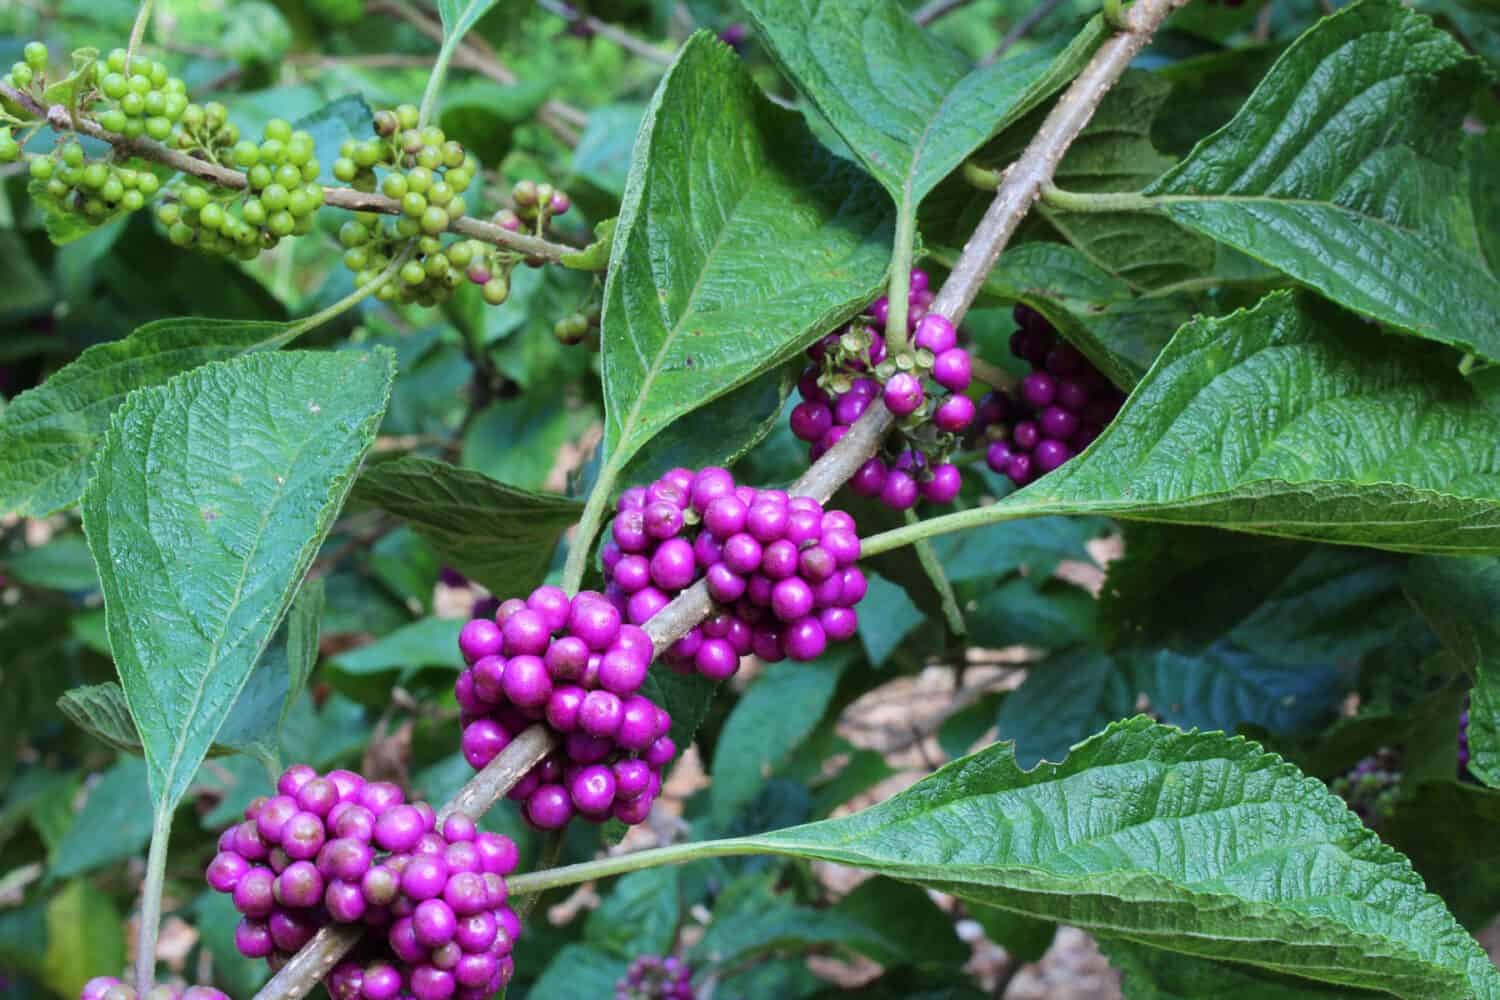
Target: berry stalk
point(156, 871)
point(61, 120)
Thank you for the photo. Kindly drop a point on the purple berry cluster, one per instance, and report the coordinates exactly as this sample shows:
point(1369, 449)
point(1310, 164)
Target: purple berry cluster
point(1055, 412)
point(110, 988)
point(577, 666)
point(781, 568)
point(652, 977)
point(341, 849)
point(850, 369)
point(1371, 787)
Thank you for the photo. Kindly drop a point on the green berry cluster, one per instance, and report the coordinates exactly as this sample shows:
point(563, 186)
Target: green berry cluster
point(140, 98)
point(425, 171)
point(537, 205)
point(282, 199)
point(95, 190)
point(429, 277)
point(31, 70)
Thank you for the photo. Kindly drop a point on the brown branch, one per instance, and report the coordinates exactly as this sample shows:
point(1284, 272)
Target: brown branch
point(61, 120)
point(840, 462)
point(1024, 180)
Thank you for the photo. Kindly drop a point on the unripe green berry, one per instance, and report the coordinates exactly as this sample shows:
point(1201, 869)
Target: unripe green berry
point(524, 193)
point(393, 185)
point(407, 115)
point(156, 103)
point(496, 290)
point(434, 220)
point(134, 128)
point(281, 223)
point(114, 86)
point(56, 188)
point(288, 176)
point(458, 179)
point(180, 233)
point(174, 106)
point(158, 74)
point(272, 151)
point(460, 253)
point(94, 175)
point(311, 169)
point(419, 179)
point(439, 194)
point(40, 168)
point(10, 150)
point(193, 116)
point(413, 204)
point(112, 190)
point(72, 154)
point(344, 169)
point(246, 155)
point(211, 216)
point(116, 60)
point(215, 115)
point(113, 120)
point(356, 258)
point(169, 214)
point(194, 197)
point(147, 183)
point(436, 266)
point(457, 207)
point(429, 157)
point(367, 154)
point(258, 176)
point(254, 212)
point(413, 273)
point(406, 227)
point(279, 129)
point(35, 54)
point(158, 128)
point(21, 75)
point(353, 234)
point(275, 197)
point(132, 201)
point(300, 203)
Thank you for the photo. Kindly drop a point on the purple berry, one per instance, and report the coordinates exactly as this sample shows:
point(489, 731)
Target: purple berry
point(951, 369)
point(527, 682)
point(549, 807)
point(480, 637)
point(424, 877)
point(899, 493)
point(943, 487)
point(811, 420)
point(1050, 454)
point(954, 414)
point(225, 871)
point(869, 479)
point(792, 599)
point(1057, 422)
point(482, 739)
point(595, 621)
point(935, 333)
point(399, 828)
point(716, 659)
point(903, 393)
point(253, 939)
point(600, 714)
point(742, 553)
point(1039, 389)
point(1025, 435)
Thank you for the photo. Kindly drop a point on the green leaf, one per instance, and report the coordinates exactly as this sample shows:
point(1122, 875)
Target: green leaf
point(243, 467)
point(459, 16)
point(910, 107)
point(49, 433)
point(490, 532)
point(85, 938)
point(100, 710)
point(1049, 614)
point(1447, 828)
point(739, 241)
point(1154, 974)
point(215, 918)
point(595, 256)
point(348, 117)
point(1344, 170)
point(516, 441)
point(1340, 445)
point(771, 719)
point(1459, 597)
point(907, 927)
point(579, 971)
point(61, 564)
point(1110, 840)
point(603, 153)
point(887, 616)
point(254, 724)
point(639, 916)
point(111, 826)
point(427, 642)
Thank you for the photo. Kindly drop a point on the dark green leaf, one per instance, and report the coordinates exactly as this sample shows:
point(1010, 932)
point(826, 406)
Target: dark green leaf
point(430, 642)
point(330, 126)
point(1154, 974)
point(516, 441)
point(639, 916)
point(603, 153)
point(1345, 170)
point(907, 927)
point(1459, 598)
point(61, 564)
point(490, 532)
point(1109, 840)
point(49, 433)
point(1448, 830)
point(1341, 447)
point(886, 617)
point(771, 719)
point(111, 826)
point(100, 711)
point(910, 108)
point(1049, 615)
point(696, 304)
point(243, 466)
point(579, 971)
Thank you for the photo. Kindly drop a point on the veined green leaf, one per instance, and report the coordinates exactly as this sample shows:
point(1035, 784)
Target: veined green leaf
point(740, 240)
point(49, 433)
point(1111, 840)
point(243, 467)
point(1345, 170)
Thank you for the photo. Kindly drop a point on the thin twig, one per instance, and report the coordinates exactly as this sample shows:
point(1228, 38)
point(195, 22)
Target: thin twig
point(1020, 29)
point(61, 120)
point(562, 119)
point(609, 32)
point(1024, 180)
point(934, 9)
point(840, 462)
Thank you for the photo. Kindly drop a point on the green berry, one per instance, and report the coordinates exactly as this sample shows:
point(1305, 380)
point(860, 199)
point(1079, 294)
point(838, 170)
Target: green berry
point(112, 190)
point(132, 201)
point(133, 104)
point(258, 176)
point(246, 155)
point(138, 84)
point(457, 207)
point(169, 213)
point(393, 185)
point(159, 128)
point(174, 106)
point(94, 175)
point(114, 86)
point(344, 169)
point(311, 169)
point(406, 227)
point(367, 154)
point(407, 115)
point(211, 217)
point(300, 203)
point(21, 75)
point(413, 204)
point(35, 54)
point(113, 120)
point(254, 212)
point(461, 253)
point(453, 155)
point(147, 183)
point(356, 258)
point(419, 179)
point(272, 151)
point(429, 157)
point(413, 273)
point(524, 193)
point(215, 115)
point(134, 128)
point(72, 154)
point(41, 168)
point(496, 290)
point(281, 223)
point(275, 197)
point(116, 60)
point(156, 103)
point(288, 176)
point(279, 129)
point(10, 150)
point(180, 233)
point(440, 193)
point(194, 197)
point(459, 179)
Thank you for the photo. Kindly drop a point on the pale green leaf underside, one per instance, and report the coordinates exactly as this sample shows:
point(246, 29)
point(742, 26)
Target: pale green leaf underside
point(910, 107)
point(740, 239)
point(1344, 169)
point(208, 500)
point(1196, 842)
point(48, 434)
point(499, 535)
point(1294, 419)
